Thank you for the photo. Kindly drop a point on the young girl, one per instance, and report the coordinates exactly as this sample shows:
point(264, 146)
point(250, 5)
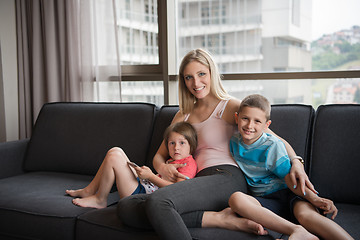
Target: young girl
point(181, 142)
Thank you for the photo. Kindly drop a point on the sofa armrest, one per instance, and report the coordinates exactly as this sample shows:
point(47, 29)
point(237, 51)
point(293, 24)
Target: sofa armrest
point(11, 157)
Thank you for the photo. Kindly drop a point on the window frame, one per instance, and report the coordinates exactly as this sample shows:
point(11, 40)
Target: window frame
point(153, 72)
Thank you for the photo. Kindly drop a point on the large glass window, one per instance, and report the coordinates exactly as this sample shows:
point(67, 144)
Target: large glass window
point(277, 35)
point(137, 51)
point(245, 37)
point(230, 29)
point(268, 36)
point(138, 30)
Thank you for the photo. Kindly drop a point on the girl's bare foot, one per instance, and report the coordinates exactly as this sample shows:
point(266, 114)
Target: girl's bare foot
point(302, 234)
point(229, 220)
point(90, 202)
point(84, 192)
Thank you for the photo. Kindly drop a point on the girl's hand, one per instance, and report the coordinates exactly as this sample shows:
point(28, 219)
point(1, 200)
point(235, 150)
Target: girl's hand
point(327, 205)
point(297, 173)
point(144, 172)
point(169, 172)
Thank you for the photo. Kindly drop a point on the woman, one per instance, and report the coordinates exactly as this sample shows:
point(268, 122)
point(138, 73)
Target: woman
point(205, 104)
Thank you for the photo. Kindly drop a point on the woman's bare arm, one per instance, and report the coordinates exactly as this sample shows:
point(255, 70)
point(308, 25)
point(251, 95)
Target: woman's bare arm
point(231, 108)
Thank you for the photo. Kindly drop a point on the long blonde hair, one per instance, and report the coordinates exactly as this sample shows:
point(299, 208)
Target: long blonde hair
point(186, 99)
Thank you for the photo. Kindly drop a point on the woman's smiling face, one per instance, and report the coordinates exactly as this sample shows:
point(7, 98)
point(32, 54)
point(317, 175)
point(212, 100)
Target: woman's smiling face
point(197, 79)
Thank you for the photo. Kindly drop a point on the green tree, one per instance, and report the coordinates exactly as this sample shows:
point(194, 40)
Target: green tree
point(329, 60)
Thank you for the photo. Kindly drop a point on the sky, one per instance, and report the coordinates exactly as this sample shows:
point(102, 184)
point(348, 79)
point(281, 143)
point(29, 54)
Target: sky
point(333, 15)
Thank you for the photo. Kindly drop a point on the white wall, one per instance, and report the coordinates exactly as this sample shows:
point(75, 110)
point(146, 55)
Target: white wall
point(277, 21)
point(9, 68)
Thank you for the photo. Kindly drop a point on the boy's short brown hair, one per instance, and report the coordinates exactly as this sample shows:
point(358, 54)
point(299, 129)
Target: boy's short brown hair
point(185, 129)
point(257, 101)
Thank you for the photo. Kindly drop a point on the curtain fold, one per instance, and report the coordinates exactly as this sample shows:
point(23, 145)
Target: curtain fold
point(58, 53)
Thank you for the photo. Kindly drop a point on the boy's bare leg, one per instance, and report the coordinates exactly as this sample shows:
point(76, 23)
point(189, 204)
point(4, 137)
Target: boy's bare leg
point(227, 219)
point(113, 167)
point(309, 217)
point(248, 207)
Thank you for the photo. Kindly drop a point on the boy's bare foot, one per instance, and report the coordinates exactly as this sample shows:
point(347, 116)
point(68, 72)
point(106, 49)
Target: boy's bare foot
point(84, 192)
point(90, 202)
point(302, 234)
point(229, 220)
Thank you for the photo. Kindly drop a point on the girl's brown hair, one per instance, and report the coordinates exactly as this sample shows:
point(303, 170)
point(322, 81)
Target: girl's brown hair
point(185, 129)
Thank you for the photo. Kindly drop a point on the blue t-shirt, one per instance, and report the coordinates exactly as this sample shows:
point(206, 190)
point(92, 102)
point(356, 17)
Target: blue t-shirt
point(265, 163)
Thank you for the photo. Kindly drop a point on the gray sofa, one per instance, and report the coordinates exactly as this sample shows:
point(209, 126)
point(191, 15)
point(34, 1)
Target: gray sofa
point(70, 140)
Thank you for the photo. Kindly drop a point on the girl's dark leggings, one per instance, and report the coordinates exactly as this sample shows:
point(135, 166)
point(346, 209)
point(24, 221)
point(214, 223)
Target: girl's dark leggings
point(182, 204)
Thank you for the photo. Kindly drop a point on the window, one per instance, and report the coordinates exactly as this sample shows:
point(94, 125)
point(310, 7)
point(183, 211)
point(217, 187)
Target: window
point(273, 41)
point(229, 29)
point(138, 23)
point(138, 30)
point(272, 44)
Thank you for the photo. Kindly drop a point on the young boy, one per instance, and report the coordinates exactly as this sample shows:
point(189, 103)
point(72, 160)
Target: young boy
point(264, 161)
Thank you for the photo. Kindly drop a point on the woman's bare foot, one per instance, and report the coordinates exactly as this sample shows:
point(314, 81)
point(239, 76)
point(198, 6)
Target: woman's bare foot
point(90, 202)
point(229, 220)
point(84, 192)
point(302, 234)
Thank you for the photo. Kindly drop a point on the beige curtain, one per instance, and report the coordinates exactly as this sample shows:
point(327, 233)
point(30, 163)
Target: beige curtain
point(58, 53)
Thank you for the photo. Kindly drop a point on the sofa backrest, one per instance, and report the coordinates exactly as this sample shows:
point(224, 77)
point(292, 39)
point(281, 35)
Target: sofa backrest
point(335, 152)
point(75, 137)
point(293, 122)
point(163, 119)
point(290, 121)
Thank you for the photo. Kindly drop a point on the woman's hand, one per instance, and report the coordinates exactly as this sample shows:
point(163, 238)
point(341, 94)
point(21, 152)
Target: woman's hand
point(297, 174)
point(169, 172)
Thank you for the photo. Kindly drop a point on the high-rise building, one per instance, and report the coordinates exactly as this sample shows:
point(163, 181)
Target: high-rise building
point(243, 35)
point(248, 35)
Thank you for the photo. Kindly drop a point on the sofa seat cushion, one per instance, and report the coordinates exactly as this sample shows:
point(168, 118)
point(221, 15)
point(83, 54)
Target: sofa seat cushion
point(349, 218)
point(35, 205)
point(104, 224)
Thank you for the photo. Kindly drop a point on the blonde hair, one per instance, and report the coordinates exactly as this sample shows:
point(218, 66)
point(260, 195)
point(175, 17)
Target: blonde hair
point(257, 101)
point(186, 99)
point(185, 129)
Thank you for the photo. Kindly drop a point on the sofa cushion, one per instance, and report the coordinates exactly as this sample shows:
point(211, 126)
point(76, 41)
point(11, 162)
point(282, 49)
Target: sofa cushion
point(293, 122)
point(12, 157)
point(74, 137)
point(104, 224)
point(35, 205)
point(349, 218)
point(335, 152)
